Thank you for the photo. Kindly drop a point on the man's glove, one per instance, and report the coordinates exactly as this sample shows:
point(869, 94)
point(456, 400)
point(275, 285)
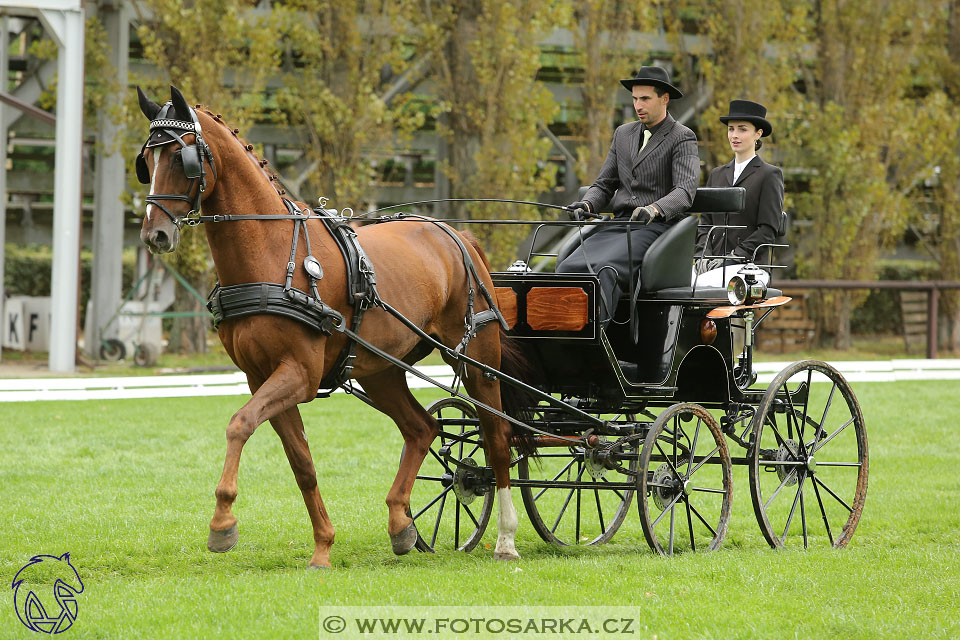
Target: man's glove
point(646, 214)
point(580, 210)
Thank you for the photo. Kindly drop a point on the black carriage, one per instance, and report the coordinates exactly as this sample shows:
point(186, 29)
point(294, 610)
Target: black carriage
point(655, 408)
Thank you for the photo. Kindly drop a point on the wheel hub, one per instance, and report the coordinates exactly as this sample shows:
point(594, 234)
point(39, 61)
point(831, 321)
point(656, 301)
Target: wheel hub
point(466, 478)
point(594, 460)
point(789, 451)
point(811, 464)
point(663, 495)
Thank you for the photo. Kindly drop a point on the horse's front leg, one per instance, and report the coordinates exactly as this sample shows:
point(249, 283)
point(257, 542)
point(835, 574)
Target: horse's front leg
point(289, 426)
point(285, 387)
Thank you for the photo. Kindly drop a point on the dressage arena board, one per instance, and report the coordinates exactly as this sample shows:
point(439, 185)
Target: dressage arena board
point(230, 384)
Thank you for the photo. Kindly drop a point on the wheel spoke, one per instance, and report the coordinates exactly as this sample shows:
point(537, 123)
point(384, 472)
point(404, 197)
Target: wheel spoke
point(433, 502)
point(826, 409)
point(783, 483)
point(833, 435)
point(436, 524)
point(693, 543)
point(469, 513)
point(830, 491)
point(616, 492)
point(566, 503)
point(823, 512)
point(803, 520)
point(555, 478)
point(708, 490)
point(704, 461)
point(673, 508)
point(676, 473)
point(664, 512)
point(793, 509)
point(693, 447)
point(839, 464)
point(596, 495)
point(705, 523)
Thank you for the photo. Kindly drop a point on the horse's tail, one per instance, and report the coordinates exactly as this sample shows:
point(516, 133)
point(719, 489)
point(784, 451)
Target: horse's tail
point(514, 362)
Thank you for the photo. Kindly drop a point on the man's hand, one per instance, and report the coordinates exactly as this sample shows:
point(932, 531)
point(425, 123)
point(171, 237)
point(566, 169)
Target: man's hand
point(646, 214)
point(580, 210)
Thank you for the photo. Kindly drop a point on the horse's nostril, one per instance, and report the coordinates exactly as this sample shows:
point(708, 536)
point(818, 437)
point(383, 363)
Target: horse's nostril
point(160, 239)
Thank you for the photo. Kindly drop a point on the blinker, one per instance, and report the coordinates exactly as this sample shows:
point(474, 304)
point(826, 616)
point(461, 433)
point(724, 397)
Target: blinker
point(143, 174)
point(190, 156)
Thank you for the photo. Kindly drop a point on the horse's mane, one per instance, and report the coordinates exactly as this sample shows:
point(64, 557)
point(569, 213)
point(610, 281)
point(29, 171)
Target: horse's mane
point(248, 148)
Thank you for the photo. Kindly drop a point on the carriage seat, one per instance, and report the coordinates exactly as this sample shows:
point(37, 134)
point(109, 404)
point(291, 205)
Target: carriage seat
point(667, 262)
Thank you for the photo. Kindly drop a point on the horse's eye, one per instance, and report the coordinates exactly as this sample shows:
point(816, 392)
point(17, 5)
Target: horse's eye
point(177, 159)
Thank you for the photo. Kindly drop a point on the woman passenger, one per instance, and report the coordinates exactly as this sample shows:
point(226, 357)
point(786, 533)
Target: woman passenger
point(746, 124)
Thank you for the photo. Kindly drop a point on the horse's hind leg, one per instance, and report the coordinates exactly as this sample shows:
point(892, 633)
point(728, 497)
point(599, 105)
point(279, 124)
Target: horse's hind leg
point(496, 437)
point(389, 392)
point(289, 426)
point(285, 387)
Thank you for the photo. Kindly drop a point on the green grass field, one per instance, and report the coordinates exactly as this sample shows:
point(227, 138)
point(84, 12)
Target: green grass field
point(127, 488)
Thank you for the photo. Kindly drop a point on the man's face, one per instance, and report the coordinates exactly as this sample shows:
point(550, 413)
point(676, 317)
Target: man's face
point(650, 107)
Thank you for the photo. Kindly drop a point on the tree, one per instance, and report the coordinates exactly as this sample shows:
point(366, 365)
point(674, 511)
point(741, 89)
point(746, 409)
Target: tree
point(342, 59)
point(485, 58)
point(605, 34)
point(855, 142)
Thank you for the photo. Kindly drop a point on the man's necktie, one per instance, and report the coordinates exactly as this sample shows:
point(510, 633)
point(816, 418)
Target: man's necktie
point(646, 139)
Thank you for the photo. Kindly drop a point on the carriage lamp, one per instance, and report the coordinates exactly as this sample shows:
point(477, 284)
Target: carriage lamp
point(708, 331)
point(746, 287)
point(519, 267)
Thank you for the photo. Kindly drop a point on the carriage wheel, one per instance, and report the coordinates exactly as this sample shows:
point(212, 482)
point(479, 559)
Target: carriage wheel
point(686, 478)
point(449, 509)
point(808, 466)
point(572, 516)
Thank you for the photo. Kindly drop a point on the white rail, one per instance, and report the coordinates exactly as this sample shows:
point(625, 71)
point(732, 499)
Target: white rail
point(230, 384)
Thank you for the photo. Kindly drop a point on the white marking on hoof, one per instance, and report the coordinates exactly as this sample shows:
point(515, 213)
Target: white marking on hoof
point(507, 522)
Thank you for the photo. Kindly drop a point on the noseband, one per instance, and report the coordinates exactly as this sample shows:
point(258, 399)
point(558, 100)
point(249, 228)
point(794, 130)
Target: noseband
point(192, 157)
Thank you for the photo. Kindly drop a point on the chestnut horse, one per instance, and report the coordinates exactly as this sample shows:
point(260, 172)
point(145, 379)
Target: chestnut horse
point(420, 272)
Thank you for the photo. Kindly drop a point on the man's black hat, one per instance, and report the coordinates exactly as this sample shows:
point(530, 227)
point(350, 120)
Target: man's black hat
point(653, 77)
point(752, 112)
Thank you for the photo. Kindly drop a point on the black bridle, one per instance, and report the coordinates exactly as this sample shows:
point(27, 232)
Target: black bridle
point(192, 158)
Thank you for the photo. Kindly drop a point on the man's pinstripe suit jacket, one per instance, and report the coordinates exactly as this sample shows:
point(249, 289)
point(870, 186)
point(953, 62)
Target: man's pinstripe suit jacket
point(665, 173)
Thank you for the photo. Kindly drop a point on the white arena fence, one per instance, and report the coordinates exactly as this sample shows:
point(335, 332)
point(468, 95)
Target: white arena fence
point(230, 384)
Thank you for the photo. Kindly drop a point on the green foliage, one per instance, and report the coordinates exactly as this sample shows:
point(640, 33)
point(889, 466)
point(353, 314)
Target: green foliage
point(599, 29)
point(27, 271)
point(335, 89)
point(485, 57)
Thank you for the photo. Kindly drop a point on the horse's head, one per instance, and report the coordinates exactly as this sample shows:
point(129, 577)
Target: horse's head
point(177, 164)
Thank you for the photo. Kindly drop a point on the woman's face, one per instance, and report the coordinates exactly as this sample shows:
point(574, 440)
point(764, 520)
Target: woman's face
point(742, 135)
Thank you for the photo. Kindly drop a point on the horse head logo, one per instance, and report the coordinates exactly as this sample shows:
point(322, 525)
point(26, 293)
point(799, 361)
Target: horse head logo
point(31, 587)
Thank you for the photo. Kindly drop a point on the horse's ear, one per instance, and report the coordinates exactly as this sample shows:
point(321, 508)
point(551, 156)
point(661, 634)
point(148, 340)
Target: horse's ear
point(180, 106)
point(147, 106)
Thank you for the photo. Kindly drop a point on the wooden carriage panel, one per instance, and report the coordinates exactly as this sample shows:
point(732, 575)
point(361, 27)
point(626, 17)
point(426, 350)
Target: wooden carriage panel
point(507, 301)
point(557, 308)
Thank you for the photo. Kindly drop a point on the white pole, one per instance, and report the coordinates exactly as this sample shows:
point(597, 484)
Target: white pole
point(67, 193)
point(105, 279)
point(4, 66)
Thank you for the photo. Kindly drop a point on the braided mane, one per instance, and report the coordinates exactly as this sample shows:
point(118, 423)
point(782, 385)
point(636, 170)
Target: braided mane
point(262, 163)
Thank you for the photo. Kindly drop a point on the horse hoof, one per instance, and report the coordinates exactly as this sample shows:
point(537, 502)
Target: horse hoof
point(506, 557)
point(223, 541)
point(318, 567)
point(404, 541)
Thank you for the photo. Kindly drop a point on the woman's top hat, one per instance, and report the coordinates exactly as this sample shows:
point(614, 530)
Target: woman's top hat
point(752, 112)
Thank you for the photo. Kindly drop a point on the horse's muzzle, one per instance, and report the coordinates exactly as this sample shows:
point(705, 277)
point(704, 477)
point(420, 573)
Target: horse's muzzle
point(159, 240)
